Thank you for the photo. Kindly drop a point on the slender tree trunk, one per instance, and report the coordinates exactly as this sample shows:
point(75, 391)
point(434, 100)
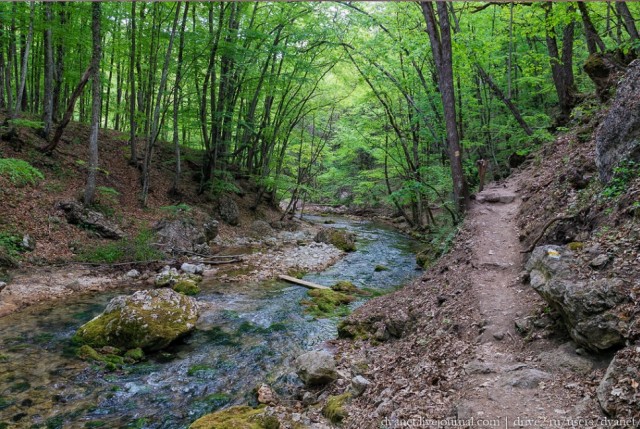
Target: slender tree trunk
point(627, 18)
point(176, 103)
point(59, 67)
point(594, 42)
point(90, 190)
point(132, 89)
point(25, 62)
point(440, 38)
point(77, 92)
point(48, 72)
point(155, 124)
point(562, 66)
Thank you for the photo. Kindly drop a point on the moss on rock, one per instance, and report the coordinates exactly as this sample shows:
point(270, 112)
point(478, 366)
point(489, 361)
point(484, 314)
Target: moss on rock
point(334, 408)
point(379, 268)
point(186, 286)
point(88, 353)
point(135, 355)
point(345, 286)
point(343, 240)
point(239, 417)
point(150, 320)
point(327, 302)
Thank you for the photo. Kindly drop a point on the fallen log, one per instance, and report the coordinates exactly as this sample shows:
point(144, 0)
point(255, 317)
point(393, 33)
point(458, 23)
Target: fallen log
point(304, 283)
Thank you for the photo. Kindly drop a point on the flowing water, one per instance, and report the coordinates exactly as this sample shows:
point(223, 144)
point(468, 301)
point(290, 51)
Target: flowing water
point(249, 334)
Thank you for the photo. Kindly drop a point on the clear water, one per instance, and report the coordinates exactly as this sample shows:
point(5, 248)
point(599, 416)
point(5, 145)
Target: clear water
point(249, 334)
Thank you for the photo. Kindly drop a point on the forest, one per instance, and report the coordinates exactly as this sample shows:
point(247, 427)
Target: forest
point(346, 103)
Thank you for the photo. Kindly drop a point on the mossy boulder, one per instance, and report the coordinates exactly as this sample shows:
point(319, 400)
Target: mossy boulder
point(334, 408)
point(345, 286)
point(239, 417)
point(185, 283)
point(327, 302)
point(149, 319)
point(187, 287)
point(343, 240)
point(379, 268)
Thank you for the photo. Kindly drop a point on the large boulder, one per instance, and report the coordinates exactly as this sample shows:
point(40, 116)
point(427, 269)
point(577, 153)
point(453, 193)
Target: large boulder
point(261, 230)
point(229, 211)
point(316, 368)
point(343, 240)
point(183, 235)
point(589, 308)
point(618, 390)
point(618, 136)
point(78, 214)
point(148, 319)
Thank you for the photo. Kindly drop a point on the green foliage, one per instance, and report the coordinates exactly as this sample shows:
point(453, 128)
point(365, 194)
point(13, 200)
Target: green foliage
point(11, 243)
point(20, 172)
point(623, 174)
point(138, 249)
point(174, 210)
point(26, 123)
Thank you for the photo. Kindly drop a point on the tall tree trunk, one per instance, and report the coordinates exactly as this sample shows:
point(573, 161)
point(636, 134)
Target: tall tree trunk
point(627, 18)
point(155, 124)
point(48, 72)
point(440, 38)
point(59, 66)
point(132, 89)
point(25, 62)
point(176, 104)
point(562, 66)
point(594, 42)
point(90, 190)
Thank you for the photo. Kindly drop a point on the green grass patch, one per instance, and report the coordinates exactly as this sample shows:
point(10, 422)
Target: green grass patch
point(20, 172)
point(138, 249)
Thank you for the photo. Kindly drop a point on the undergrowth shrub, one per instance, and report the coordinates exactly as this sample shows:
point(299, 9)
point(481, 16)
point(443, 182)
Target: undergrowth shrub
point(20, 172)
point(137, 249)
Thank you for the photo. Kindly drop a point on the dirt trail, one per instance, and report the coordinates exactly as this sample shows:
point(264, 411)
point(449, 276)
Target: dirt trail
point(510, 380)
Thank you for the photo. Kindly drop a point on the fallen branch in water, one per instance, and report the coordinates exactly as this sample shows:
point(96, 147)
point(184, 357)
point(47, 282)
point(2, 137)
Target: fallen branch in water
point(544, 230)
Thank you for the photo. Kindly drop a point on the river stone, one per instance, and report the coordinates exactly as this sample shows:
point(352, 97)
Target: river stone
point(316, 368)
point(148, 319)
point(192, 268)
point(618, 136)
point(229, 211)
point(589, 308)
point(618, 390)
point(261, 229)
point(77, 214)
point(343, 240)
point(183, 235)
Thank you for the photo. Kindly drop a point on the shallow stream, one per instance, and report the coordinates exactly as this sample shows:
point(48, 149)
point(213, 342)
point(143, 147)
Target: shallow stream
point(249, 334)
